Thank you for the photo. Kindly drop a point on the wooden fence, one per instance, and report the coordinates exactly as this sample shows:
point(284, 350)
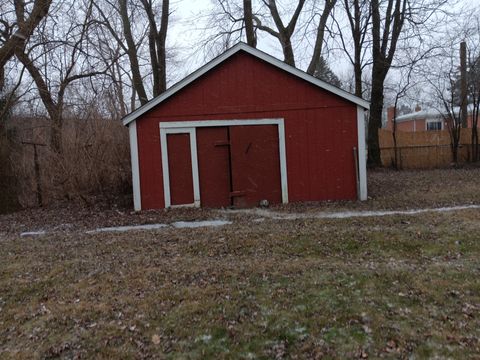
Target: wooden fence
point(422, 149)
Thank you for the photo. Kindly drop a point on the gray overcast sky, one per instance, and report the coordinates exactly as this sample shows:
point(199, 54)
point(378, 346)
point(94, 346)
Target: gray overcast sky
point(185, 34)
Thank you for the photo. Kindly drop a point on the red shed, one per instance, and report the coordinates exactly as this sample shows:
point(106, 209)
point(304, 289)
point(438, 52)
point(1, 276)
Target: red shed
point(243, 128)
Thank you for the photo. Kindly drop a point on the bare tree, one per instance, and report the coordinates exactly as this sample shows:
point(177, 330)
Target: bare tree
point(131, 39)
point(442, 77)
point(358, 13)
point(375, 31)
point(282, 32)
point(472, 38)
point(15, 33)
point(406, 81)
point(389, 19)
point(232, 19)
point(70, 66)
point(466, 77)
point(474, 95)
point(443, 74)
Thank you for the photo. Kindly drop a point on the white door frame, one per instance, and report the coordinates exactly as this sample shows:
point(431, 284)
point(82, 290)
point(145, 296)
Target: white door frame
point(189, 127)
point(166, 172)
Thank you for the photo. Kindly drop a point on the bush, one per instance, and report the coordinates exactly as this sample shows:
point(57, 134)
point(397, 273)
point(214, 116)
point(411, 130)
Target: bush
point(8, 185)
point(94, 163)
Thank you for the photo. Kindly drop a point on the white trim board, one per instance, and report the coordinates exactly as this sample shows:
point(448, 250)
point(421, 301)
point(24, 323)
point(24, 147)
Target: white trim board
point(183, 127)
point(362, 154)
point(210, 123)
point(256, 53)
point(132, 131)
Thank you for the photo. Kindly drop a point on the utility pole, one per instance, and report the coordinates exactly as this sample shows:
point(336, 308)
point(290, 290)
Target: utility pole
point(463, 81)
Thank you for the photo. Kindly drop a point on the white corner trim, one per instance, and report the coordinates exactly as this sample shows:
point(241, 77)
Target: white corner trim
point(362, 155)
point(132, 131)
point(256, 53)
point(283, 160)
point(165, 170)
point(183, 127)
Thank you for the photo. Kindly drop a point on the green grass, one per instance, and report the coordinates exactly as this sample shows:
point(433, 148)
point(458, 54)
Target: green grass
point(383, 287)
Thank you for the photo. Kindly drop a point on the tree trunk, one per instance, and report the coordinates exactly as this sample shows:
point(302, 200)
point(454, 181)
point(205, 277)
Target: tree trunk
point(357, 68)
point(152, 45)
point(132, 54)
point(248, 19)
point(56, 138)
point(375, 123)
point(2, 78)
point(157, 45)
point(119, 89)
point(455, 151)
point(288, 52)
point(317, 50)
point(464, 86)
point(455, 137)
point(474, 144)
point(394, 133)
point(161, 47)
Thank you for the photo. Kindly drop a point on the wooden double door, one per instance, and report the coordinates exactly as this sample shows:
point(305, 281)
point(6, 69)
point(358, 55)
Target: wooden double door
point(237, 166)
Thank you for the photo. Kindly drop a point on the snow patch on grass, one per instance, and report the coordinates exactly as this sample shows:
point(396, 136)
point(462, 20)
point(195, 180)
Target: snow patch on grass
point(178, 225)
point(128, 228)
point(33, 233)
point(350, 214)
point(196, 224)
point(204, 338)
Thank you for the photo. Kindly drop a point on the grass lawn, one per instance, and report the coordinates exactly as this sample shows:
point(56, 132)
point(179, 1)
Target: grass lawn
point(351, 288)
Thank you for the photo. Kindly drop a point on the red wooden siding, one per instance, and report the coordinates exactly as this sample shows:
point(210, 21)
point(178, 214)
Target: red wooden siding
point(213, 166)
point(238, 165)
point(255, 165)
point(320, 127)
point(180, 169)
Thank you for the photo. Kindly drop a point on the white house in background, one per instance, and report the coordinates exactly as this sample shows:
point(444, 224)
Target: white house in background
point(424, 120)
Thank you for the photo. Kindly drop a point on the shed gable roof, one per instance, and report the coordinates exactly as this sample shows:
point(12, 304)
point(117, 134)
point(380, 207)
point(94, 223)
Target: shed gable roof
point(256, 53)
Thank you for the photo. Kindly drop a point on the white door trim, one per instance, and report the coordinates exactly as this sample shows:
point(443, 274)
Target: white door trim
point(165, 170)
point(182, 127)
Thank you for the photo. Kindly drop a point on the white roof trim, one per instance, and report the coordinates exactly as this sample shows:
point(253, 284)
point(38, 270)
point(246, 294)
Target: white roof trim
point(252, 51)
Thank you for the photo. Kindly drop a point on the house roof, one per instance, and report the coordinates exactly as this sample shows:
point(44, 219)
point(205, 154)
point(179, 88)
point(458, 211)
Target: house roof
point(423, 114)
point(258, 54)
point(430, 114)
